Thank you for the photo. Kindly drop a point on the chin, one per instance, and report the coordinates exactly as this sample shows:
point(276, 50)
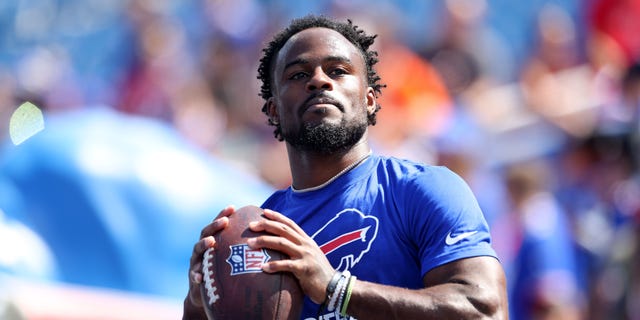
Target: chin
point(327, 137)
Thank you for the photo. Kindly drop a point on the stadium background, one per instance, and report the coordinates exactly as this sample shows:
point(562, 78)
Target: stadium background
point(153, 123)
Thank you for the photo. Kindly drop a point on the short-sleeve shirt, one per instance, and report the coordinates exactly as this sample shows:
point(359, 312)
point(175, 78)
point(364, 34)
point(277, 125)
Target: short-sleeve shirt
point(389, 221)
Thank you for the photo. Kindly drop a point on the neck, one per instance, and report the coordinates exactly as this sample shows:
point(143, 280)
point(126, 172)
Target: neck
point(309, 169)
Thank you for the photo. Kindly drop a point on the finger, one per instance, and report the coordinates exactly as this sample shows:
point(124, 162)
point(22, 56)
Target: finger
point(276, 243)
point(199, 248)
point(274, 228)
point(195, 271)
point(196, 277)
point(218, 224)
point(273, 219)
point(206, 241)
point(284, 265)
point(194, 287)
point(276, 216)
point(279, 244)
point(227, 211)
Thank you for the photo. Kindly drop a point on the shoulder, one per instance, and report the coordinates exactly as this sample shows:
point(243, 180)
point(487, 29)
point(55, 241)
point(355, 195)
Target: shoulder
point(407, 167)
point(420, 175)
point(274, 199)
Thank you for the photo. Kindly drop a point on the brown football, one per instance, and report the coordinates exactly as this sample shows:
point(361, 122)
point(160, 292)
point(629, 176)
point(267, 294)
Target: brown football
point(234, 285)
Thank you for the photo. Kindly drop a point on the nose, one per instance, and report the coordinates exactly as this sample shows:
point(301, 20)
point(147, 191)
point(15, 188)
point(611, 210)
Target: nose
point(319, 80)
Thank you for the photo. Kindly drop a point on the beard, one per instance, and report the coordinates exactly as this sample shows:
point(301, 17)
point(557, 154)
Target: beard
point(327, 138)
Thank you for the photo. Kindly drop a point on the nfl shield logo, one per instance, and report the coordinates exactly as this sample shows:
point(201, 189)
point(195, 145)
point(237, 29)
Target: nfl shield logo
point(246, 260)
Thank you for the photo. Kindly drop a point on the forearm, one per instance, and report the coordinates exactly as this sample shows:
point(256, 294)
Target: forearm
point(446, 301)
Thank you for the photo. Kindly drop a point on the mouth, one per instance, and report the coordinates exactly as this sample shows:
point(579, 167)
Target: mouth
point(319, 104)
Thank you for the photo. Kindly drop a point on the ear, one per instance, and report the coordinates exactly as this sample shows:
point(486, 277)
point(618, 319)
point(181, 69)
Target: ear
point(272, 111)
point(371, 101)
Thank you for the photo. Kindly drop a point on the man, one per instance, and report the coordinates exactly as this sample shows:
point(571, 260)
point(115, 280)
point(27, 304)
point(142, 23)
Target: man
point(404, 240)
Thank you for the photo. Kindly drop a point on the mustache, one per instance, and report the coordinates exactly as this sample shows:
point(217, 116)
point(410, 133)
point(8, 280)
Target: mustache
point(320, 97)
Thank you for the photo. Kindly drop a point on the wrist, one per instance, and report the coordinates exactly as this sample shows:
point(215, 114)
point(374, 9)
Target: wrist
point(338, 293)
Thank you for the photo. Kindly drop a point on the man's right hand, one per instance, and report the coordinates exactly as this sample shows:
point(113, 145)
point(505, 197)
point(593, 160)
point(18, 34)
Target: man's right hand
point(193, 307)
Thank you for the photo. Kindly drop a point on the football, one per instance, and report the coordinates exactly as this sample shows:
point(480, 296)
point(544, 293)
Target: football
point(234, 285)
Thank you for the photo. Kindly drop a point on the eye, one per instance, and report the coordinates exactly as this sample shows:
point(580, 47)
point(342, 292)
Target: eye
point(298, 75)
point(338, 72)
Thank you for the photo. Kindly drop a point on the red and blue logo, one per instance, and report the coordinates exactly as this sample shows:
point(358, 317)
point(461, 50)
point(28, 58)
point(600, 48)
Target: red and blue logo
point(348, 237)
point(246, 260)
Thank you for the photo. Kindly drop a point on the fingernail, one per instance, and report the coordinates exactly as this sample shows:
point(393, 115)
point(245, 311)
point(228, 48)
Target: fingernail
point(210, 241)
point(197, 278)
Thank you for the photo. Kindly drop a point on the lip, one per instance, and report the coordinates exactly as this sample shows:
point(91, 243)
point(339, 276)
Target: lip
point(319, 103)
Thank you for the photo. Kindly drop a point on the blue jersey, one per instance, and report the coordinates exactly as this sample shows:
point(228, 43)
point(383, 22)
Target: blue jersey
point(389, 221)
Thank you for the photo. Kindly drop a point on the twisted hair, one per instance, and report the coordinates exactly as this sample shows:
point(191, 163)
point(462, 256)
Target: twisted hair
point(350, 31)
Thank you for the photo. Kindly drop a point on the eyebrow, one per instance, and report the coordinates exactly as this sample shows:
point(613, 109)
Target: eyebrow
point(299, 61)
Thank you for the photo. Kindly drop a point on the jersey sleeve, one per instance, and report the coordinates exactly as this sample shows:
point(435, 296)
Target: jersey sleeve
point(444, 219)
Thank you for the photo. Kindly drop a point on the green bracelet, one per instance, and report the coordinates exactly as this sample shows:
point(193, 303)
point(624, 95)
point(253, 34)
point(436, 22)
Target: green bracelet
point(343, 310)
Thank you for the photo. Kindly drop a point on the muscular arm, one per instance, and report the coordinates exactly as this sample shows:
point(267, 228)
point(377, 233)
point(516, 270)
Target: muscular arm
point(470, 288)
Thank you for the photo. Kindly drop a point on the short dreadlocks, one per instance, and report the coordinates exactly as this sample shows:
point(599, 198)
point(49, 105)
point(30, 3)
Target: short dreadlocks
point(348, 30)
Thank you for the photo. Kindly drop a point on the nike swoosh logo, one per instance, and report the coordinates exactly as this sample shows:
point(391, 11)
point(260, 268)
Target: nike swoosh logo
point(453, 240)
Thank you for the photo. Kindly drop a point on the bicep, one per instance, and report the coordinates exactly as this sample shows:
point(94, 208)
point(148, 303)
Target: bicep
point(444, 220)
point(475, 269)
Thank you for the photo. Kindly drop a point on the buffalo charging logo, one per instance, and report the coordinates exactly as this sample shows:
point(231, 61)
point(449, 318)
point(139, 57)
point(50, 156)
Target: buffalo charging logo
point(349, 236)
point(246, 260)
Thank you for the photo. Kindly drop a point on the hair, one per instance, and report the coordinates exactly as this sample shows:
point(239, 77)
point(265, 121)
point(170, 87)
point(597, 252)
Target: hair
point(350, 31)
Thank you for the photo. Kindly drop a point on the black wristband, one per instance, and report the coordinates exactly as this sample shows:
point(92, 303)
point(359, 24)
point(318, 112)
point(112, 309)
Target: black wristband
point(331, 287)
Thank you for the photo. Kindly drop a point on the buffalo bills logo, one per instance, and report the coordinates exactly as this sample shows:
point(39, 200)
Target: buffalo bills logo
point(349, 236)
point(246, 260)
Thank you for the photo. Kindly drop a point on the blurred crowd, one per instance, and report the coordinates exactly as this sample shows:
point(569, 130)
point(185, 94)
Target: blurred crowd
point(535, 103)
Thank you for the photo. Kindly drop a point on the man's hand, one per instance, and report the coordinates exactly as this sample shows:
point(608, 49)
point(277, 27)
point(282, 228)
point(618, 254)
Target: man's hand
point(193, 307)
point(462, 289)
point(308, 263)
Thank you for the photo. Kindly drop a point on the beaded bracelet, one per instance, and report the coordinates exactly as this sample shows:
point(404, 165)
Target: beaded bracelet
point(339, 290)
point(343, 291)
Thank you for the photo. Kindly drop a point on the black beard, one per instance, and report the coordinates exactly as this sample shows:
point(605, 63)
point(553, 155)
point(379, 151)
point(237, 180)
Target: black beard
point(327, 138)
